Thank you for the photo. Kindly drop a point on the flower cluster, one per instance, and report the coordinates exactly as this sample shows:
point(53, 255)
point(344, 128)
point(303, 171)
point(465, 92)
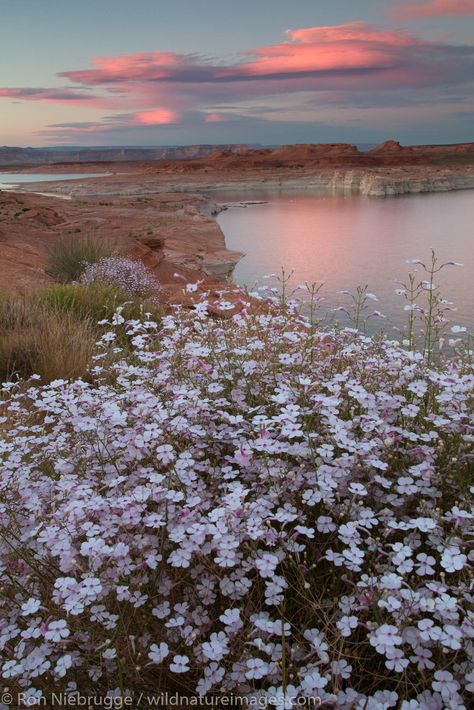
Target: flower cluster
point(243, 506)
point(131, 276)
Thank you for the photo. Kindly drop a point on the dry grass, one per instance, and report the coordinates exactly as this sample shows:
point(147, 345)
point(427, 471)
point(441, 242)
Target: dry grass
point(63, 347)
point(52, 345)
point(14, 311)
point(53, 332)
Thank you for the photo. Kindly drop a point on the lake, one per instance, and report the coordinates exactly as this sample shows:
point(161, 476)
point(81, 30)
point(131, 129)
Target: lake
point(352, 240)
point(9, 180)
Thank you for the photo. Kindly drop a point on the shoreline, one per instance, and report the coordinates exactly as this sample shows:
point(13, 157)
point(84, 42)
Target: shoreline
point(370, 182)
point(169, 220)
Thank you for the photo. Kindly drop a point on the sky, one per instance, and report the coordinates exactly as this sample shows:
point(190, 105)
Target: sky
point(178, 72)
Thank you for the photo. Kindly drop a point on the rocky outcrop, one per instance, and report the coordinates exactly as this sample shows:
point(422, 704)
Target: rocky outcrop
point(447, 150)
point(171, 233)
point(391, 148)
point(393, 153)
point(208, 158)
point(221, 263)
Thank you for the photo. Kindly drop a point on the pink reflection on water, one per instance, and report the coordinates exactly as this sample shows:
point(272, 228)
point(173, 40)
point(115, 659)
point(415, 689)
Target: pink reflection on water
point(347, 241)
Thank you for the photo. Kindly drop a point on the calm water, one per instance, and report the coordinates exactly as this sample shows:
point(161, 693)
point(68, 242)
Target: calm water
point(7, 180)
point(347, 241)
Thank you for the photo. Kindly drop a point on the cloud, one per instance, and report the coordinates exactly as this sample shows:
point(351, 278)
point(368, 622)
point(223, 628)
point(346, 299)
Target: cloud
point(214, 118)
point(346, 65)
point(157, 117)
point(75, 128)
point(311, 58)
point(73, 96)
point(352, 46)
point(143, 66)
point(434, 8)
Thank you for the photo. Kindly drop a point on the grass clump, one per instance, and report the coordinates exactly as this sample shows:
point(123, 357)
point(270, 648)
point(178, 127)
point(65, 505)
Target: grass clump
point(95, 301)
point(13, 311)
point(53, 345)
point(71, 255)
point(64, 347)
point(52, 333)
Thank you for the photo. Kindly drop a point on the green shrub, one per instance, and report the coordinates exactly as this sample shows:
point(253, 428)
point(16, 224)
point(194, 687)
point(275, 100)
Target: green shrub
point(94, 301)
point(71, 254)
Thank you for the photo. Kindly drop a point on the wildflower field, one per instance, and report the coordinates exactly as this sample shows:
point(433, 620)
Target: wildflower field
point(250, 505)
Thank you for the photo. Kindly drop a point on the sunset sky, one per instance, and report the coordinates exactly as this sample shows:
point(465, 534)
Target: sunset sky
point(167, 72)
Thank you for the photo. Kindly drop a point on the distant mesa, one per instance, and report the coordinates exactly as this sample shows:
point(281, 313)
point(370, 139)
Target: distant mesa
point(390, 147)
point(387, 147)
point(12, 156)
point(238, 156)
point(300, 155)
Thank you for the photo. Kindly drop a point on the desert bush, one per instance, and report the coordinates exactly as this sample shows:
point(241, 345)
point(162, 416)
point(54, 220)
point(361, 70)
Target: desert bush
point(71, 254)
point(132, 277)
point(95, 301)
point(36, 337)
point(247, 506)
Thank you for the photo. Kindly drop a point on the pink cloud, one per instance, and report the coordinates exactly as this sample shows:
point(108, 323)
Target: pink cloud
point(349, 31)
point(356, 62)
point(353, 45)
point(157, 117)
point(435, 8)
point(214, 118)
point(141, 66)
point(347, 46)
point(353, 54)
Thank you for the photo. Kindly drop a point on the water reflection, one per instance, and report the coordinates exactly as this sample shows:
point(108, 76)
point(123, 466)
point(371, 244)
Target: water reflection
point(347, 241)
